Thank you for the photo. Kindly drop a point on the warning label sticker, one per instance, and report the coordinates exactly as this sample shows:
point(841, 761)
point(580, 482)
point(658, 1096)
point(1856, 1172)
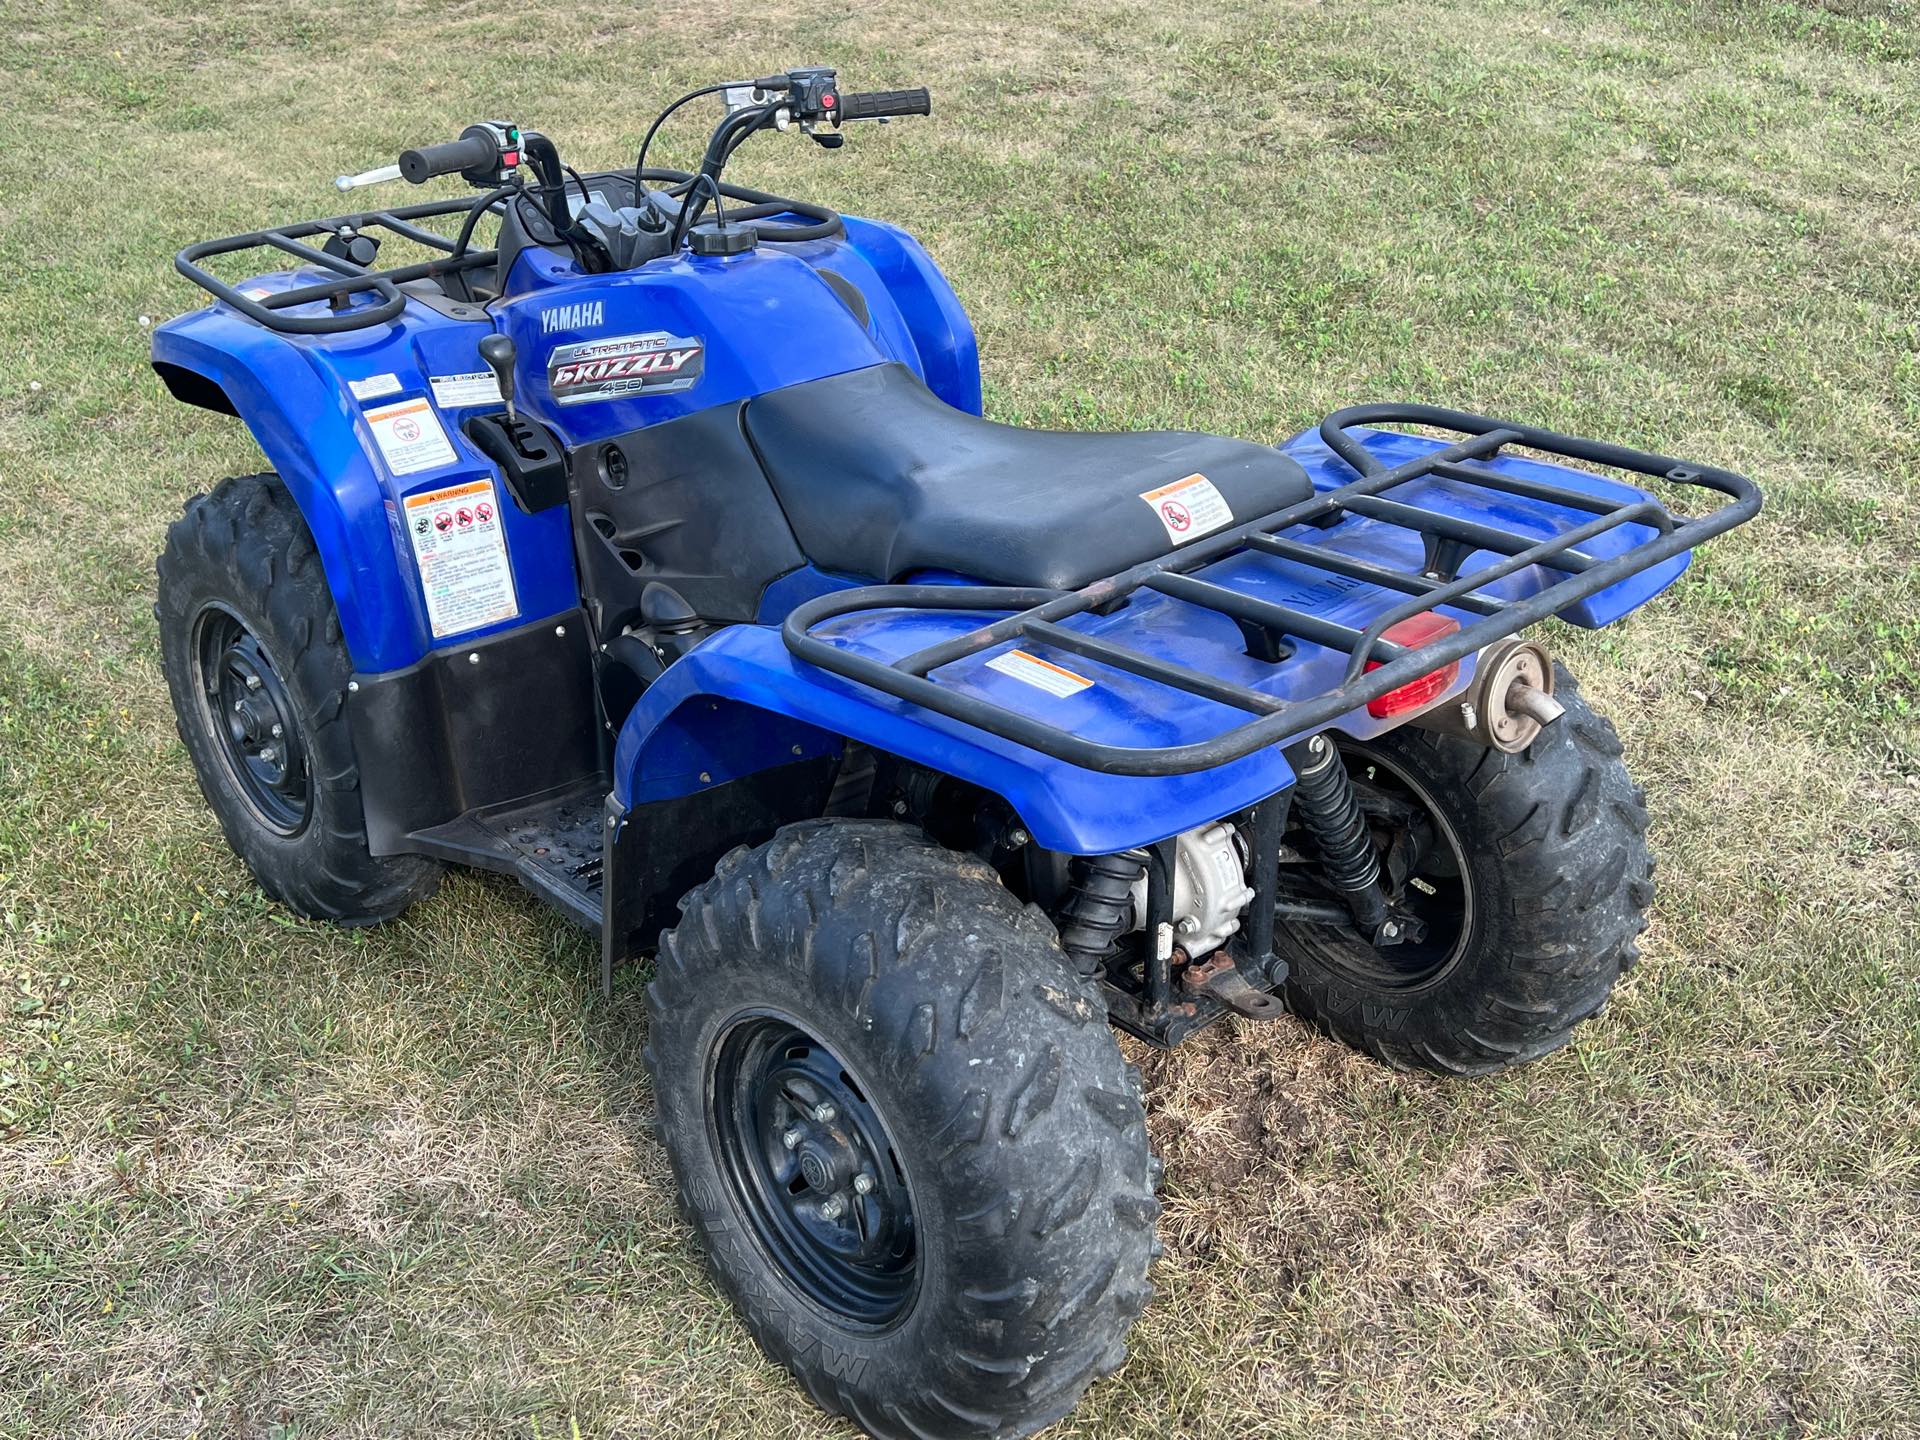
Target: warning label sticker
point(409, 435)
point(461, 548)
point(450, 392)
point(1051, 678)
point(1189, 508)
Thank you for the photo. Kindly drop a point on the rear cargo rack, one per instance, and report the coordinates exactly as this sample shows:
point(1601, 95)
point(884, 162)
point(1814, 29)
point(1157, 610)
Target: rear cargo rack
point(350, 278)
point(1448, 540)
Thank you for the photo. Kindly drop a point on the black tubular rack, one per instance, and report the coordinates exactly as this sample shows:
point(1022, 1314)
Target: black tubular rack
point(1037, 613)
point(350, 279)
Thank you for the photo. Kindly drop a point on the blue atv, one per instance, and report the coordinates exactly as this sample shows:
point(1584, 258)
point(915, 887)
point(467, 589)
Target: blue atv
point(642, 538)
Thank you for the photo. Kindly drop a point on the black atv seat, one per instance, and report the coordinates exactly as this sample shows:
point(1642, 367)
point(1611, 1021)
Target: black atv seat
point(879, 477)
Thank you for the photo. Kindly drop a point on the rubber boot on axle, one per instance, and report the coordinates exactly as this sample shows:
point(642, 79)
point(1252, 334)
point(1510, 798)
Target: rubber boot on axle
point(1100, 908)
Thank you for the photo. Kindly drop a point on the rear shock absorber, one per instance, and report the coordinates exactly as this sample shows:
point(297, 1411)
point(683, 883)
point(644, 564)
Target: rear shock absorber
point(1329, 809)
point(1099, 910)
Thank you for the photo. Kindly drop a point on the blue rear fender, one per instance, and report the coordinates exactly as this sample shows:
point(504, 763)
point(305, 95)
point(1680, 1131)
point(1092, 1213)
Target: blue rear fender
point(742, 702)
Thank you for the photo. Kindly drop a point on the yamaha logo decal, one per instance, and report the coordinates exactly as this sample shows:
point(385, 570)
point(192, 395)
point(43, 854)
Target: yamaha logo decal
point(652, 364)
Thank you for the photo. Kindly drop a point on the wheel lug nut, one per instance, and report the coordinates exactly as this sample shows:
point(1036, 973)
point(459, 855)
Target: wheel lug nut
point(823, 1114)
point(793, 1138)
point(863, 1184)
point(253, 682)
point(832, 1208)
point(269, 754)
point(278, 731)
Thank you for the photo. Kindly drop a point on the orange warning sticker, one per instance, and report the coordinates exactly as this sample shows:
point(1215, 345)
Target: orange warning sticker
point(409, 436)
point(1052, 678)
point(1189, 508)
point(460, 545)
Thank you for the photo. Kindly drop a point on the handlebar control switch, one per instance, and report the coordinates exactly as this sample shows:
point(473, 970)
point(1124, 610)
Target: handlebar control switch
point(813, 95)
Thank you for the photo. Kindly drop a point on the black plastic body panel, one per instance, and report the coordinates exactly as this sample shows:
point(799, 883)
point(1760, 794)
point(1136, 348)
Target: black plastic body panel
point(529, 455)
point(685, 503)
point(478, 726)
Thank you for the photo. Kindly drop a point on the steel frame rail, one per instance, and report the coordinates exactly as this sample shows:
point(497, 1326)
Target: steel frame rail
point(1038, 612)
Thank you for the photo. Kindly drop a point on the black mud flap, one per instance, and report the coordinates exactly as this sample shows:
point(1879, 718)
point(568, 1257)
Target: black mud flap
point(658, 851)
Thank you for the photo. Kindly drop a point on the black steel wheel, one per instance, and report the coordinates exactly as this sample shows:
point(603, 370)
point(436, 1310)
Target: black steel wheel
point(1529, 878)
point(250, 642)
point(249, 709)
point(811, 1166)
point(904, 1132)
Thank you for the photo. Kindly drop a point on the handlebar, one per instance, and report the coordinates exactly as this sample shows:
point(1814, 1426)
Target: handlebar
point(881, 104)
point(476, 149)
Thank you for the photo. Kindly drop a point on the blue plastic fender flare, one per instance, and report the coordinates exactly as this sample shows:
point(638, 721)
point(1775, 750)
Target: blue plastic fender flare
point(741, 703)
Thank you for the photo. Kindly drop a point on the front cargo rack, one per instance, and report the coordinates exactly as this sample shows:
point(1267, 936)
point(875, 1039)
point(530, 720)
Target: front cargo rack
point(1448, 540)
point(349, 277)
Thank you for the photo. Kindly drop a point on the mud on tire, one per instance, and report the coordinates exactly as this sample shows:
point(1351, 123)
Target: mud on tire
point(1555, 839)
point(242, 557)
point(950, 1010)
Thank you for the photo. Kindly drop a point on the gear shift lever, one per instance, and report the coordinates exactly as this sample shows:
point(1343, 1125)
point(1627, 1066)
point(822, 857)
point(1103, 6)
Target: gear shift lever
point(498, 351)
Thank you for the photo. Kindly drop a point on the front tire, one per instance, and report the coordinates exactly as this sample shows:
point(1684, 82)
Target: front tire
point(850, 1000)
point(1533, 878)
point(258, 670)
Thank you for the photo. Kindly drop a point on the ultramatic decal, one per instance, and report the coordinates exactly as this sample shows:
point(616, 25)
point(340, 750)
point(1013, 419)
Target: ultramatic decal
point(652, 364)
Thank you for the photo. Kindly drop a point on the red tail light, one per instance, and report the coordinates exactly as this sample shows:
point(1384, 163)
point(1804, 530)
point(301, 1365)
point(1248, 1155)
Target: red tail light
point(1413, 632)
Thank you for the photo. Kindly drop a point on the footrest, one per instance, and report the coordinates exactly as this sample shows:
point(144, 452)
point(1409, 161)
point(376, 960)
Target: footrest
point(553, 845)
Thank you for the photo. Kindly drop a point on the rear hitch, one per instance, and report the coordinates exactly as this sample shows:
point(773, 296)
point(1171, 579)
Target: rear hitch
point(1508, 702)
point(1219, 976)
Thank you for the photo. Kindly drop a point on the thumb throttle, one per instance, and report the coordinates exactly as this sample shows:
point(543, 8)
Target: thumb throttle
point(882, 105)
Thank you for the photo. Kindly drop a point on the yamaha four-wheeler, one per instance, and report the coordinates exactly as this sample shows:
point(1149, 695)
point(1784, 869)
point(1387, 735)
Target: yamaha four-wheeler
point(644, 541)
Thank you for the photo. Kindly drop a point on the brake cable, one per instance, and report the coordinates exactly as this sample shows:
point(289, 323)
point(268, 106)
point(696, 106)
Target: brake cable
point(640, 160)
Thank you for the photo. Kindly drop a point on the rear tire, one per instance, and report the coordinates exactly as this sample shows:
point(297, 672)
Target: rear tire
point(1559, 880)
point(248, 629)
point(856, 970)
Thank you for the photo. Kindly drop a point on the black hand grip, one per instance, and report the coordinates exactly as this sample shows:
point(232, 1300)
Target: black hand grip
point(470, 152)
point(878, 104)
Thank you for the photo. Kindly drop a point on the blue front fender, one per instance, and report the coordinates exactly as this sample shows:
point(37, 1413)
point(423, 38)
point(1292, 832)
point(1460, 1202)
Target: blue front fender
point(741, 703)
point(294, 394)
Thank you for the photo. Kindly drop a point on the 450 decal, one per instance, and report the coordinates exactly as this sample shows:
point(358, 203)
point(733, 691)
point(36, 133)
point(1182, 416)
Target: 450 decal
point(656, 363)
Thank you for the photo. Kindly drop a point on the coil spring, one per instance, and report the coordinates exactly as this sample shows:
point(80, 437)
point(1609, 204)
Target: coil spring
point(1100, 908)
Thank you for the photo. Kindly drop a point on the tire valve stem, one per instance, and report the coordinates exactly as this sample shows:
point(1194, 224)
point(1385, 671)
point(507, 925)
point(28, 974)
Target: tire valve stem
point(1323, 795)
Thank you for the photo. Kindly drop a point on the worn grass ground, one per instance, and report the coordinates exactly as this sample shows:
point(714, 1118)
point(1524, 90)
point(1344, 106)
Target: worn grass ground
point(262, 1178)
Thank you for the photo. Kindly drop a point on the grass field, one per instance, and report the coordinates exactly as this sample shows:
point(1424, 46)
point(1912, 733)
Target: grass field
point(263, 1178)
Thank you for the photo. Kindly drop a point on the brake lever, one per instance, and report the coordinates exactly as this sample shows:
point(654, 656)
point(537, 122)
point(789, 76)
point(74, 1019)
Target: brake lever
point(367, 177)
